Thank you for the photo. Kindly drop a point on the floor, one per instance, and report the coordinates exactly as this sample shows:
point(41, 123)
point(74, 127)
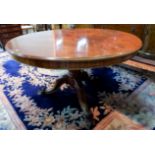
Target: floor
point(140, 65)
point(118, 122)
point(144, 60)
point(129, 81)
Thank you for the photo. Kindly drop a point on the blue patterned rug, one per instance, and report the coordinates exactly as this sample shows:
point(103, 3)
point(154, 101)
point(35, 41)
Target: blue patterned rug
point(25, 108)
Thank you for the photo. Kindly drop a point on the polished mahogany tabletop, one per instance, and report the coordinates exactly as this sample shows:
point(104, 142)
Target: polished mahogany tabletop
point(74, 48)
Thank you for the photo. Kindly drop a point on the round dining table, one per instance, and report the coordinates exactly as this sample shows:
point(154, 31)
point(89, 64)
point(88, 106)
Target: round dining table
point(74, 50)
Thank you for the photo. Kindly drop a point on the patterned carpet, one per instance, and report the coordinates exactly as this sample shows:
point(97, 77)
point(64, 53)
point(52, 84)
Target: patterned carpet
point(114, 87)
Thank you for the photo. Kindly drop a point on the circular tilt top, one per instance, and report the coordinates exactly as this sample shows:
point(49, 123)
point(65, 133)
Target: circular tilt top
point(74, 48)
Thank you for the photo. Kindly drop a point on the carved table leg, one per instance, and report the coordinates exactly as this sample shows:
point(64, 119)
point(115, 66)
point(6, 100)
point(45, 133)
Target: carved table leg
point(64, 79)
point(79, 76)
point(74, 79)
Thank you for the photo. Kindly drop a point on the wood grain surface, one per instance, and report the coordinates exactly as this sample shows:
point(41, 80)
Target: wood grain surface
point(74, 48)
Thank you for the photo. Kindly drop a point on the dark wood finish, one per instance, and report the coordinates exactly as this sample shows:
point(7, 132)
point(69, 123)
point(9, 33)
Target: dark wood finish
point(74, 49)
point(73, 65)
point(136, 29)
point(74, 80)
point(148, 50)
point(9, 31)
